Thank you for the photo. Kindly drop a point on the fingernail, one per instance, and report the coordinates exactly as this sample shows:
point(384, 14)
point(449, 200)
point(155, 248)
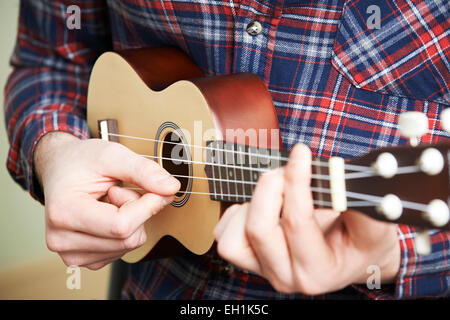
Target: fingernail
point(167, 200)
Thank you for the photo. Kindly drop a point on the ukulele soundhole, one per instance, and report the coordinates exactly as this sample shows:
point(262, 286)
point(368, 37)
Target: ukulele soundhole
point(174, 156)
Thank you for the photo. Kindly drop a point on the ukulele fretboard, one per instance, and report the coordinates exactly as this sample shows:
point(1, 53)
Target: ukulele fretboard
point(233, 171)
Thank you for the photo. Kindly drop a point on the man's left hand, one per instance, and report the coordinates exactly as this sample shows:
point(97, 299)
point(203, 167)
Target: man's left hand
point(297, 248)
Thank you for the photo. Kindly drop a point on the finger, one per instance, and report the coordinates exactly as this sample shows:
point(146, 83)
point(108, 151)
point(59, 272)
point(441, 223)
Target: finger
point(225, 219)
point(304, 235)
point(82, 259)
point(85, 214)
point(119, 196)
point(101, 264)
point(69, 241)
point(123, 164)
point(232, 243)
point(264, 231)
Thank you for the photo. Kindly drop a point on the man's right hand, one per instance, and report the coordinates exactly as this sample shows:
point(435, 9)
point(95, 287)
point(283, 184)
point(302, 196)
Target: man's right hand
point(75, 175)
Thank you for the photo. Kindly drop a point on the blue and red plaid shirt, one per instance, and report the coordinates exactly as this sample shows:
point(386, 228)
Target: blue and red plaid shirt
point(338, 85)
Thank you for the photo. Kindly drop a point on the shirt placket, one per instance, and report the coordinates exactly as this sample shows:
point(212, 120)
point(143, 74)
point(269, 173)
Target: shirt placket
point(256, 24)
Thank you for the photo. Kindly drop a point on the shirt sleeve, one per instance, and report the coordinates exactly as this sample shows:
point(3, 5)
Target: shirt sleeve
point(47, 90)
point(419, 276)
point(423, 275)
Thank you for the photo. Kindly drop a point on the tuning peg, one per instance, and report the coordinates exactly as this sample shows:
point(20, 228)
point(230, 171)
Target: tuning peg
point(422, 243)
point(431, 161)
point(437, 212)
point(445, 119)
point(391, 207)
point(413, 125)
point(386, 165)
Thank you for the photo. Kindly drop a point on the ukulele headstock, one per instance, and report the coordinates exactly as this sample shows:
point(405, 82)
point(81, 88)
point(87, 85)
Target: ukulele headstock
point(407, 184)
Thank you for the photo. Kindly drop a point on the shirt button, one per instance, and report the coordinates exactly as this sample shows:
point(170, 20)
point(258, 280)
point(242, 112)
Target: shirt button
point(254, 28)
point(226, 269)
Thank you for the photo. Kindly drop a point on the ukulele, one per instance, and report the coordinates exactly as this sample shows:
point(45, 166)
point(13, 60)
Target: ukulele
point(217, 134)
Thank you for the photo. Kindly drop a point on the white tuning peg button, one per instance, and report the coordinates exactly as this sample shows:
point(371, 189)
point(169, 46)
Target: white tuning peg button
point(437, 213)
point(445, 119)
point(422, 243)
point(391, 207)
point(386, 165)
point(413, 125)
point(431, 161)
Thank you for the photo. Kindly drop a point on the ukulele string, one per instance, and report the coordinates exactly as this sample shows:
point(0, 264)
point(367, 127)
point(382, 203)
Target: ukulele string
point(230, 196)
point(213, 164)
point(348, 176)
point(350, 167)
point(369, 200)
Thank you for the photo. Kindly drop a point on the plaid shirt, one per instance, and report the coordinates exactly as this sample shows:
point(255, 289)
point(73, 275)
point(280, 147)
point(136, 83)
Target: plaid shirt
point(337, 85)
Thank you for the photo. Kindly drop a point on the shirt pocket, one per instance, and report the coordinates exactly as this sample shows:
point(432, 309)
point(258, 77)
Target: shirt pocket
point(405, 54)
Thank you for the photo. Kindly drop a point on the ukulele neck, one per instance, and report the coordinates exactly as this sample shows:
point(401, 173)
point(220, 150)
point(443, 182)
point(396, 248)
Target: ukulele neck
point(233, 171)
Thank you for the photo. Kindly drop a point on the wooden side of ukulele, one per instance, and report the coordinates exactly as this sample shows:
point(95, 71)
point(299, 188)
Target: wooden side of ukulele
point(145, 88)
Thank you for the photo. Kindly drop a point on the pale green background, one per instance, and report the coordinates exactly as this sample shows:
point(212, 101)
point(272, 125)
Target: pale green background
point(22, 227)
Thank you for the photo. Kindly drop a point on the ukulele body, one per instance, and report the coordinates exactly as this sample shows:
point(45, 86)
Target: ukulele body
point(160, 94)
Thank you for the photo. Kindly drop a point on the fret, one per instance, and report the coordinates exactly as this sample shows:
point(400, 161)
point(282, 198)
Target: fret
point(219, 156)
point(323, 199)
point(253, 163)
point(239, 173)
point(247, 174)
point(224, 178)
point(234, 148)
point(230, 172)
point(275, 159)
point(319, 184)
point(213, 171)
point(263, 160)
point(258, 166)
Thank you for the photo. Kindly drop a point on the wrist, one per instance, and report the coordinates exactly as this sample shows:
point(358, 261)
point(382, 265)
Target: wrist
point(47, 147)
point(390, 264)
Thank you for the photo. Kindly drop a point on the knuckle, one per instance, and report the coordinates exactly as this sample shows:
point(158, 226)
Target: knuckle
point(255, 232)
point(71, 260)
point(131, 243)
point(311, 290)
point(54, 215)
point(53, 243)
point(291, 220)
point(282, 287)
point(233, 207)
point(282, 283)
point(142, 238)
point(225, 250)
point(121, 228)
point(306, 284)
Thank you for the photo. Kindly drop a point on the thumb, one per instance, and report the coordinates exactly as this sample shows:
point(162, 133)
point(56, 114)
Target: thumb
point(123, 164)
